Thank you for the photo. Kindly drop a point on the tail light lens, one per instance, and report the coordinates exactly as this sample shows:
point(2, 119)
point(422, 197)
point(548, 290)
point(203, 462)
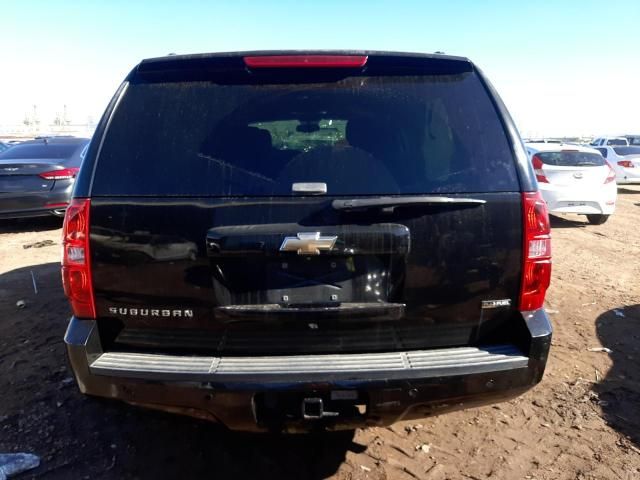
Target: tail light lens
point(536, 268)
point(537, 168)
point(76, 263)
point(611, 176)
point(626, 164)
point(63, 174)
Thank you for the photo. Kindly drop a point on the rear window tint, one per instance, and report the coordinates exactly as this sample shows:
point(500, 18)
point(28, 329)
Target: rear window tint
point(40, 151)
point(571, 159)
point(627, 150)
point(359, 135)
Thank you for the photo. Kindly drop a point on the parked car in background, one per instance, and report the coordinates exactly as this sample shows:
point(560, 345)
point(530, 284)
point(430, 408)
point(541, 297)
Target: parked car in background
point(358, 227)
point(574, 179)
point(605, 141)
point(633, 139)
point(541, 140)
point(37, 176)
point(625, 161)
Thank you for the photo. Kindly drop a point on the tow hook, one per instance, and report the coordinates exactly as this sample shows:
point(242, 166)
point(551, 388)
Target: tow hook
point(313, 409)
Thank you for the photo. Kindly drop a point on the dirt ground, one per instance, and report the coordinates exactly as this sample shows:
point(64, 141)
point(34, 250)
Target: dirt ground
point(581, 422)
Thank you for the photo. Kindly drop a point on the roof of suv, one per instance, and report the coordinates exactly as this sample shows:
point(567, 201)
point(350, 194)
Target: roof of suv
point(212, 62)
point(241, 54)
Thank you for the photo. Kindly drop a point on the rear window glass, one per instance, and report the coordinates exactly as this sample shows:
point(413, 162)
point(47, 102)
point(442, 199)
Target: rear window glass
point(617, 141)
point(571, 159)
point(634, 141)
point(359, 135)
point(627, 150)
point(40, 151)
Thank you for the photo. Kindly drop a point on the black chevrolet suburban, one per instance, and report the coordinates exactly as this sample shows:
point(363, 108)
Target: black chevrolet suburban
point(291, 241)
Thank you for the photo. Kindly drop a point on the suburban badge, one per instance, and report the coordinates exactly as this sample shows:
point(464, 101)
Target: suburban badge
point(151, 312)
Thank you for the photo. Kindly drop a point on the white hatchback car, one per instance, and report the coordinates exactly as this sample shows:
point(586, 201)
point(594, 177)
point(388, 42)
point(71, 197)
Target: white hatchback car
point(574, 179)
point(625, 161)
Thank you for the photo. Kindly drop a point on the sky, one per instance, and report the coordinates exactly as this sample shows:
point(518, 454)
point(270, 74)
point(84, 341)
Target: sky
point(563, 68)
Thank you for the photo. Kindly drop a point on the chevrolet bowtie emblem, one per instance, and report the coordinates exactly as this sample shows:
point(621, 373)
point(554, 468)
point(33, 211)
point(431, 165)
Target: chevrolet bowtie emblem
point(308, 243)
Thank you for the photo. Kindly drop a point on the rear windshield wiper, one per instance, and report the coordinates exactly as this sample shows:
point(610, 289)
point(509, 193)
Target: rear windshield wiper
point(392, 202)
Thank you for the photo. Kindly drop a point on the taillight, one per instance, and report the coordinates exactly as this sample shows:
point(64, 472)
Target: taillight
point(76, 263)
point(63, 174)
point(611, 176)
point(536, 268)
point(306, 61)
point(626, 164)
point(537, 168)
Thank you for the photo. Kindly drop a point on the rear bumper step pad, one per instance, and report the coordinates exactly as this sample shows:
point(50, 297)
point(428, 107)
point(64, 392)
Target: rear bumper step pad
point(416, 363)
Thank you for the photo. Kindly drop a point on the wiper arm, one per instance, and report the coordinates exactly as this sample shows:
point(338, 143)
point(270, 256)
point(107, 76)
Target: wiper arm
point(392, 202)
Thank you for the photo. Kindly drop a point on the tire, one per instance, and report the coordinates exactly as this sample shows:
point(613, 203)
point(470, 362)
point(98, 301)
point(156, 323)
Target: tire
point(597, 219)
